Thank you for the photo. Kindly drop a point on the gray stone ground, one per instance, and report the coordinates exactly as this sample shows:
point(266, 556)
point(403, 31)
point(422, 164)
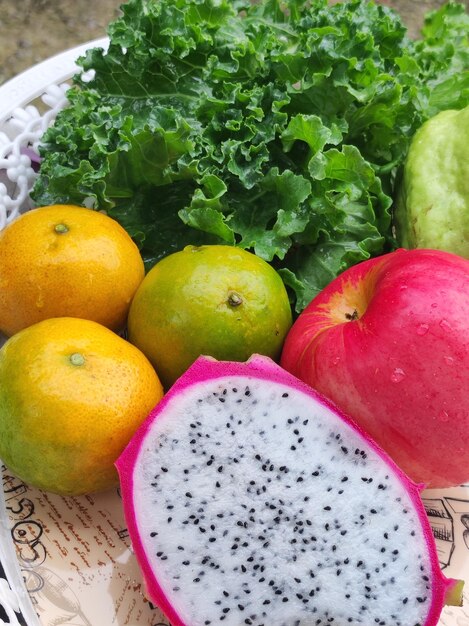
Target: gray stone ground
point(32, 30)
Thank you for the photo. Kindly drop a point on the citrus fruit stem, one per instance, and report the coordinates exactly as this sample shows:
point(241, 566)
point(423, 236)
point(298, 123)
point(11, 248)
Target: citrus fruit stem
point(61, 229)
point(234, 299)
point(77, 359)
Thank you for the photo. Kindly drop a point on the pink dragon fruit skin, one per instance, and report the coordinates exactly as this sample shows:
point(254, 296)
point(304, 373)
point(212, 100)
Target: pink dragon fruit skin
point(202, 375)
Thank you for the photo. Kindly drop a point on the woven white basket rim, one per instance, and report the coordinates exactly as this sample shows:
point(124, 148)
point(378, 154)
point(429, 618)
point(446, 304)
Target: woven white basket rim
point(30, 84)
point(15, 94)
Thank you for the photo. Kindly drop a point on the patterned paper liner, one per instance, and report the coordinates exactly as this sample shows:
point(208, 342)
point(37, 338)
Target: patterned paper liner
point(68, 560)
point(74, 563)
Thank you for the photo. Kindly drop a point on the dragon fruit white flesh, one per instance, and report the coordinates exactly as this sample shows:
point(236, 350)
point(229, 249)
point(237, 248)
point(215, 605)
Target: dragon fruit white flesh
point(251, 500)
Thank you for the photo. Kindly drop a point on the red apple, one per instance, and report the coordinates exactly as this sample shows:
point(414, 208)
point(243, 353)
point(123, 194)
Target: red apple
point(388, 342)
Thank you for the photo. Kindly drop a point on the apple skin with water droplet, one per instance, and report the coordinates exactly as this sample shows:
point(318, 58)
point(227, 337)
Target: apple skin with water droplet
point(360, 342)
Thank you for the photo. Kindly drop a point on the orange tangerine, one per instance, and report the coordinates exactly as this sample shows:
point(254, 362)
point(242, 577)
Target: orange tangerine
point(78, 394)
point(68, 261)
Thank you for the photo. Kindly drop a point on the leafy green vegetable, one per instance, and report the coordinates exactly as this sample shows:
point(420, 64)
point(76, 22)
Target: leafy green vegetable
point(275, 126)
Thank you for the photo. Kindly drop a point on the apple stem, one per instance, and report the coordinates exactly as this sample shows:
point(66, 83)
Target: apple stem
point(351, 317)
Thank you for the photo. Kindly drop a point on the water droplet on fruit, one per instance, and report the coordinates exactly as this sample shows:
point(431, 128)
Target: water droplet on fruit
point(336, 360)
point(397, 375)
point(448, 360)
point(445, 325)
point(422, 329)
point(443, 416)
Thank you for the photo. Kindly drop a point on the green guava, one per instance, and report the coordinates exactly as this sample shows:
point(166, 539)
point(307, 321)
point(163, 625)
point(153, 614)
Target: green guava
point(432, 204)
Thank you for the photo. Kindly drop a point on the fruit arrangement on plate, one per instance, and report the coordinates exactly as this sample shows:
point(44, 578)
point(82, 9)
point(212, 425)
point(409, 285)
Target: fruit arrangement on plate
point(236, 314)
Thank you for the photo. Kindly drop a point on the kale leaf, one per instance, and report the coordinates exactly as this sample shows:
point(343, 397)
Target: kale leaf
point(275, 126)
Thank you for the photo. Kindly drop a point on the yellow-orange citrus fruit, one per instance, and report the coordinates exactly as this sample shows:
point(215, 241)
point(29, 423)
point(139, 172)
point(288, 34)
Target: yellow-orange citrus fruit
point(72, 393)
point(215, 300)
point(65, 260)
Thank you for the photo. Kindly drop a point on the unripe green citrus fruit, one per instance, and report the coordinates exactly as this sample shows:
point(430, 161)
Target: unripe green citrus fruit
point(215, 300)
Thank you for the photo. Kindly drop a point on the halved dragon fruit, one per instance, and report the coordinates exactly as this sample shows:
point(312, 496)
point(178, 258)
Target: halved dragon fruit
point(252, 500)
